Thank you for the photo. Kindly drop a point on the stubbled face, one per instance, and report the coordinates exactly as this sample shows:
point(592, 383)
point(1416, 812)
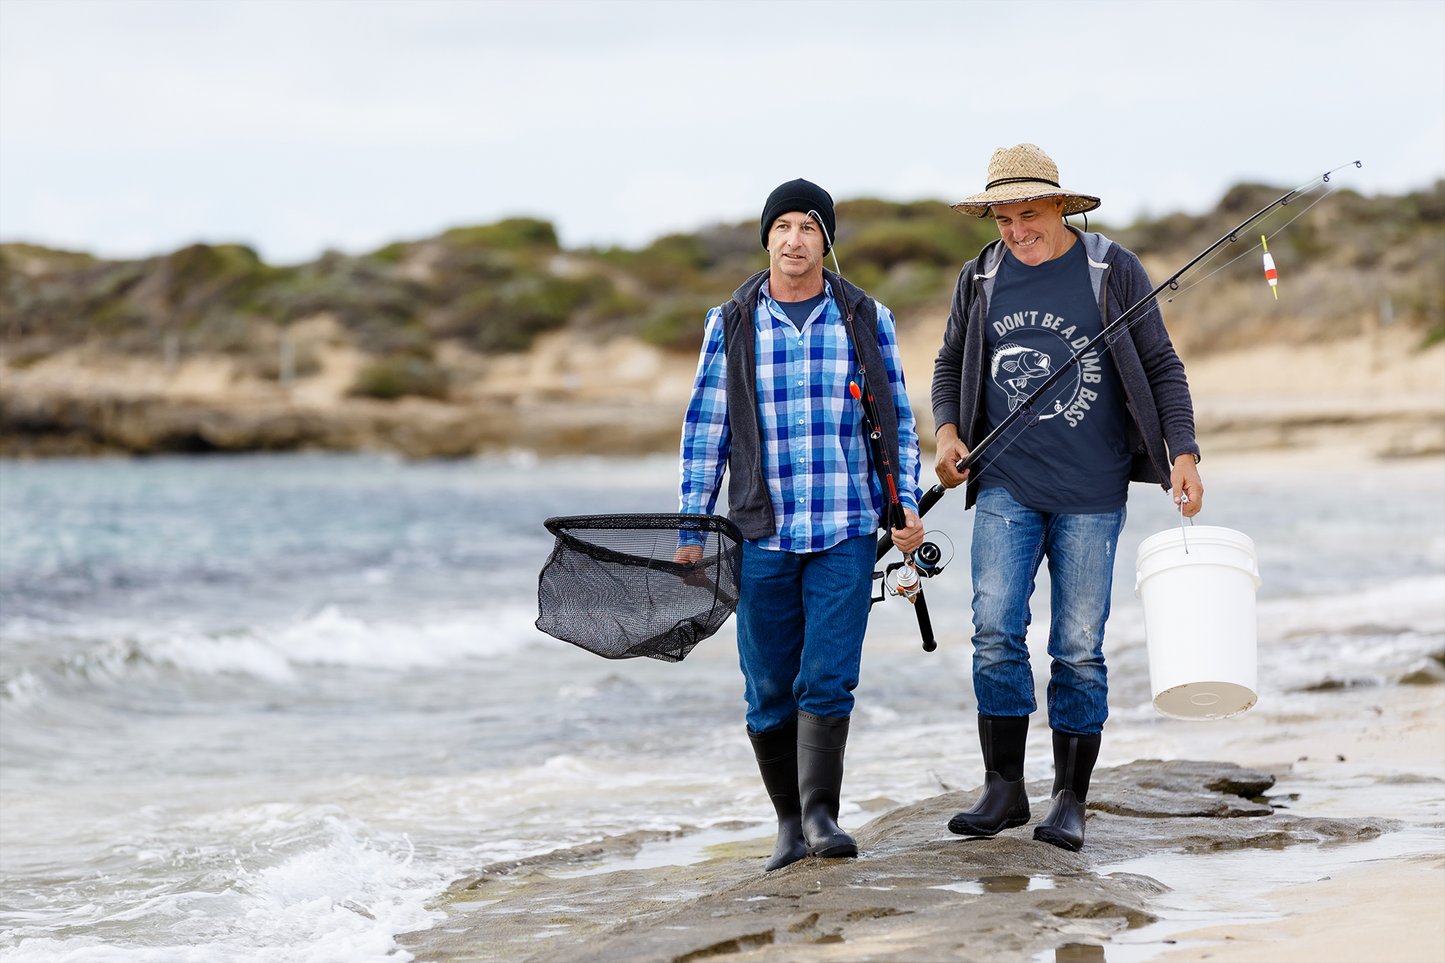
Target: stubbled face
point(795, 245)
point(1034, 230)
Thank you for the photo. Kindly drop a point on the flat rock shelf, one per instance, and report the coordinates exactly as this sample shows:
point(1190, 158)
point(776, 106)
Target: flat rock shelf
point(916, 892)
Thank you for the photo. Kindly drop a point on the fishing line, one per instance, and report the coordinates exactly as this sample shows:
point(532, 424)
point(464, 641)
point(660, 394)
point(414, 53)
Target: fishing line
point(1250, 250)
point(1247, 251)
point(1304, 188)
point(1112, 338)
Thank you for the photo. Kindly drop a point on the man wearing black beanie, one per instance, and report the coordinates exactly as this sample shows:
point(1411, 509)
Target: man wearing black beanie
point(805, 197)
point(771, 407)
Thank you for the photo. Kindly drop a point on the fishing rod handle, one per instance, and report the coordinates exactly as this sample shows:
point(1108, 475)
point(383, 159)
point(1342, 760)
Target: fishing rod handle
point(930, 498)
point(925, 624)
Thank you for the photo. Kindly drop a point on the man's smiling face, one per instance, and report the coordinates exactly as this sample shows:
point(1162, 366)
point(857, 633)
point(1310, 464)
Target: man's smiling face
point(1034, 230)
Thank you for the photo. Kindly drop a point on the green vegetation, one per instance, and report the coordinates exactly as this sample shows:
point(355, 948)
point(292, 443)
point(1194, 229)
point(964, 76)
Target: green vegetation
point(495, 287)
point(399, 375)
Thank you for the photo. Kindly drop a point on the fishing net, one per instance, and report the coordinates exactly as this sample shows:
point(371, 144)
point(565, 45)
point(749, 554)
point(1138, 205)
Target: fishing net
point(611, 585)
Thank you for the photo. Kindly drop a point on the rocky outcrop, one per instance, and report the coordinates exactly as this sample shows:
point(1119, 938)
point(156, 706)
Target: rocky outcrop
point(916, 892)
point(49, 425)
point(565, 395)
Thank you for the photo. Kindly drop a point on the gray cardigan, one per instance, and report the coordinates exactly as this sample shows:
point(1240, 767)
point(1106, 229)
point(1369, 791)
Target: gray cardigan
point(749, 505)
point(1161, 425)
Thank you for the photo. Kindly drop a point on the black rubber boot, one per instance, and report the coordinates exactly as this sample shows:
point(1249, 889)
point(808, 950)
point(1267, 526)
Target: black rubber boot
point(777, 755)
point(821, 741)
point(1004, 803)
point(1074, 758)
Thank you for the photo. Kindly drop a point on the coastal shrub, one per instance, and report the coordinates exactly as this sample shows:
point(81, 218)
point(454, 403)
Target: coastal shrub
point(1430, 205)
point(893, 243)
point(406, 374)
point(364, 296)
point(513, 233)
point(459, 270)
point(670, 263)
point(508, 318)
point(612, 303)
point(884, 233)
point(391, 253)
point(196, 279)
point(26, 359)
point(493, 286)
point(678, 325)
point(912, 283)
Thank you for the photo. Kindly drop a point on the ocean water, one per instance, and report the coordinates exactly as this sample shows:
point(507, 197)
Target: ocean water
point(267, 707)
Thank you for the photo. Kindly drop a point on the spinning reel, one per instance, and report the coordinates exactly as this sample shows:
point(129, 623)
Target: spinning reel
point(903, 579)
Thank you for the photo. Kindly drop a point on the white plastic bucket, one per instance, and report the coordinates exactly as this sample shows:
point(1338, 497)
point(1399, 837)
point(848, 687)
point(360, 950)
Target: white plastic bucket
point(1199, 620)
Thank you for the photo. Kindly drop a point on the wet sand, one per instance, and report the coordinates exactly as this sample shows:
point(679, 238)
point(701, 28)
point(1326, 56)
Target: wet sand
point(1379, 911)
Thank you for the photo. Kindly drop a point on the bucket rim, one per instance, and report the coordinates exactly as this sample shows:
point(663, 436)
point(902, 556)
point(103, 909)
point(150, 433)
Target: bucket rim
point(1204, 534)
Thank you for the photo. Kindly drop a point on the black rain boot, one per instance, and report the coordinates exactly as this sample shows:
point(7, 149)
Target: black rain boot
point(1004, 803)
point(777, 755)
point(821, 741)
point(1074, 757)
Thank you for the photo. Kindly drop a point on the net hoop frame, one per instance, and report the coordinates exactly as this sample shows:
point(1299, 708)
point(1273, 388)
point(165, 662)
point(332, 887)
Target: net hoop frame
point(562, 525)
point(673, 644)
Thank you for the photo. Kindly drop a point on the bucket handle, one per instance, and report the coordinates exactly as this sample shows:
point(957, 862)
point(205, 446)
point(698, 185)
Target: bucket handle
point(1184, 532)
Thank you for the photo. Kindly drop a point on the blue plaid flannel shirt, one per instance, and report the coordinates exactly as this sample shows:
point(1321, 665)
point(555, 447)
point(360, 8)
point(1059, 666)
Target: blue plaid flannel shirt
point(822, 486)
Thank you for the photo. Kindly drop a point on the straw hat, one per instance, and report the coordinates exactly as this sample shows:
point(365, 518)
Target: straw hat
point(1023, 173)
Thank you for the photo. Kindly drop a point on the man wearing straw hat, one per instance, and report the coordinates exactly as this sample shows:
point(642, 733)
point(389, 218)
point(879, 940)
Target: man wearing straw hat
point(1056, 483)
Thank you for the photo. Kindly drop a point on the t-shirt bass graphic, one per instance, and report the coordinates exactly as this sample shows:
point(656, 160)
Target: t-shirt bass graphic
point(1070, 454)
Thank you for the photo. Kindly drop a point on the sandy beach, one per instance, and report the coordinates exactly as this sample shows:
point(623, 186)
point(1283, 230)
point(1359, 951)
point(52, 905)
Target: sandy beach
point(1377, 911)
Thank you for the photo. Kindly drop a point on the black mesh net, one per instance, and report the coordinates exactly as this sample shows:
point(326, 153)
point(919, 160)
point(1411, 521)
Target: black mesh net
point(611, 585)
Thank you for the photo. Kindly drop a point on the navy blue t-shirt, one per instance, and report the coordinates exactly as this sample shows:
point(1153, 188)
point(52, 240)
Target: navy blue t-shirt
point(1075, 459)
point(798, 311)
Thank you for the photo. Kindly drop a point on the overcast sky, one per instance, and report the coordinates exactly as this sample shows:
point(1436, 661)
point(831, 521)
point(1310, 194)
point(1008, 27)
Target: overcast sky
point(133, 128)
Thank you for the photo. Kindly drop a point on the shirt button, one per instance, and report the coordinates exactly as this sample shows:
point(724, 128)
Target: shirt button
point(800, 384)
point(800, 421)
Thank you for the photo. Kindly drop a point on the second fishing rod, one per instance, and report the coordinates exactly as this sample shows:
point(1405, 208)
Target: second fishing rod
point(1109, 332)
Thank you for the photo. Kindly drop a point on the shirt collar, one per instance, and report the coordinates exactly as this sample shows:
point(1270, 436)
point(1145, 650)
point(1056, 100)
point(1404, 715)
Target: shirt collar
point(828, 305)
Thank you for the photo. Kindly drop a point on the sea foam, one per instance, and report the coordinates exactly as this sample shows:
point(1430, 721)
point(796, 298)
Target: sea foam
point(274, 882)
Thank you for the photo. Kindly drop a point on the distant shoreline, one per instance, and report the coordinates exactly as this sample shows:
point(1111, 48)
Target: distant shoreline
point(1376, 394)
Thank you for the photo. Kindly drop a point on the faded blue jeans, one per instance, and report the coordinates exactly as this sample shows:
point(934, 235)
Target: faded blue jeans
point(801, 619)
point(1009, 542)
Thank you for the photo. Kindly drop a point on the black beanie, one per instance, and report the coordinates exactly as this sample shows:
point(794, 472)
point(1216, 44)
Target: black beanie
point(799, 195)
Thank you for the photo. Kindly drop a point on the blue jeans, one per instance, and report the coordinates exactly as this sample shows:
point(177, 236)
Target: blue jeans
point(801, 619)
point(1009, 542)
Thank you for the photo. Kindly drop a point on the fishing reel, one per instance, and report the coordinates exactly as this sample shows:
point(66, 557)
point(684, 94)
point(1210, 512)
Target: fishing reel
point(904, 580)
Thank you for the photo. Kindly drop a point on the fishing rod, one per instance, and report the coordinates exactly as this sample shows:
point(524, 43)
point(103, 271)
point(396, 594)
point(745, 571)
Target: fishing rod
point(907, 583)
point(1130, 315)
